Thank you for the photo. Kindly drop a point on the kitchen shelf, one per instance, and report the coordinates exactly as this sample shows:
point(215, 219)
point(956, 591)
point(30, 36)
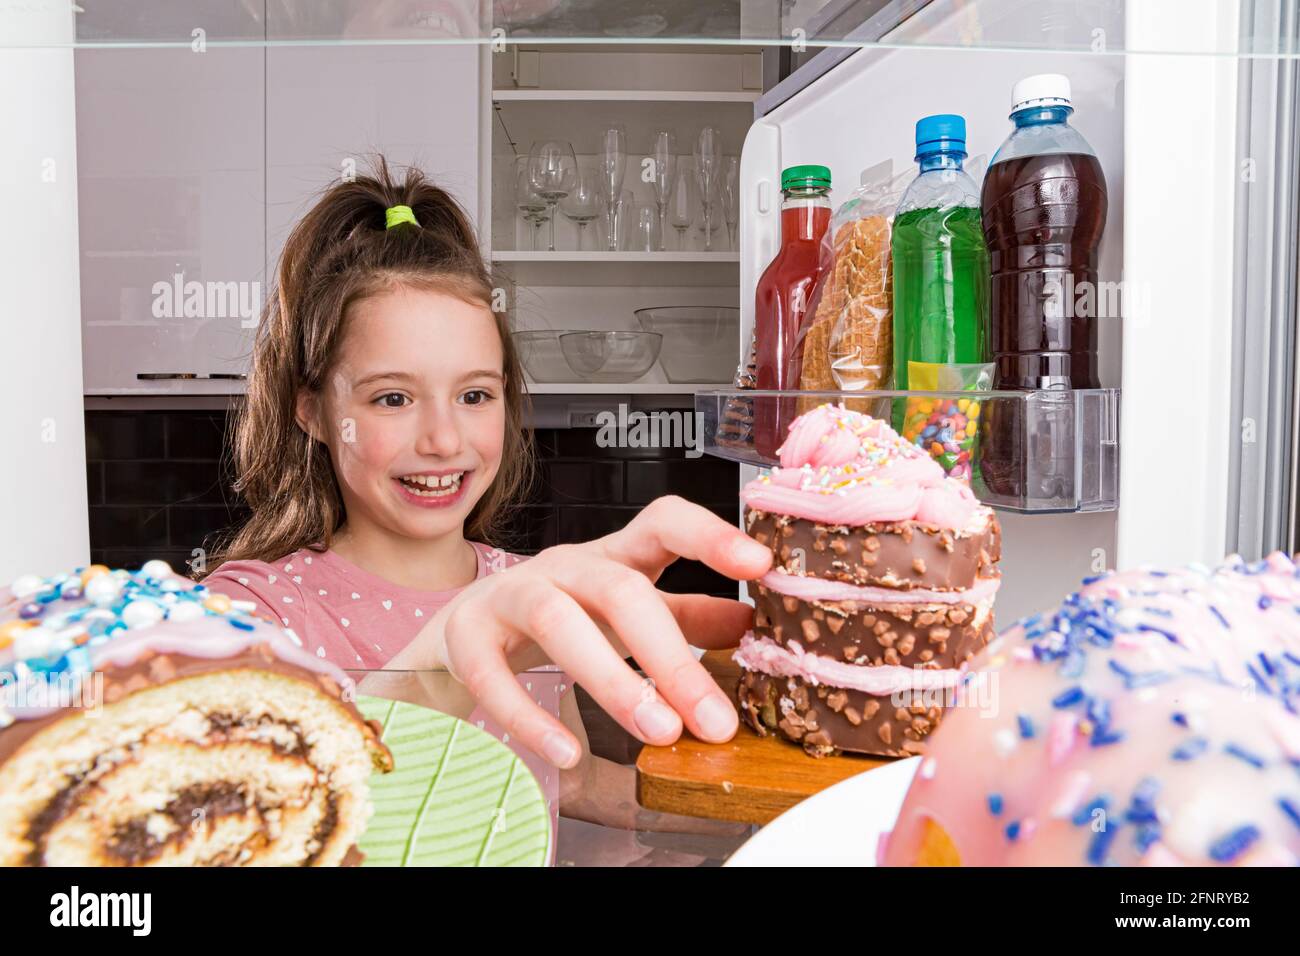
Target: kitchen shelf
point(580, 116)
point(1050, 451)
point(668, 268)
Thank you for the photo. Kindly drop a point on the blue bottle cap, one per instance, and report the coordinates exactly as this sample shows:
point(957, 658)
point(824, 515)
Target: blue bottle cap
point(941, 133)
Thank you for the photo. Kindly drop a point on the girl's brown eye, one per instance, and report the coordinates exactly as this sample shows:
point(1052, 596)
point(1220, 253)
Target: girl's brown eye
point(393, 400)
point(477, 396)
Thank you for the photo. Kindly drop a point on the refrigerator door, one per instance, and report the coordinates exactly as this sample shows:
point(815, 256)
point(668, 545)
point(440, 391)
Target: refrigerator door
point(1167, 250)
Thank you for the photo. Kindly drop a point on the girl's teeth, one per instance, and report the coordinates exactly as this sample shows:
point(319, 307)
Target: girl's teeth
point(432, 486)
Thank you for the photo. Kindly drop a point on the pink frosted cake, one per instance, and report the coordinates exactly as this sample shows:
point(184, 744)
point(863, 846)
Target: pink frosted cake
point(1150, 720)
point(146, 721)
point(884, 575)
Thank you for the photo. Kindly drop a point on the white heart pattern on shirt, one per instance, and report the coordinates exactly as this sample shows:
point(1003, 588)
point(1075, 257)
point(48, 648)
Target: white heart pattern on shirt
point(355, 596)
point(388, 605)
point(419, 613)
point(244, 581)
point(344, 621)
point(320, 652)
point(297, 579)
point(321, 592)
point(270, 579)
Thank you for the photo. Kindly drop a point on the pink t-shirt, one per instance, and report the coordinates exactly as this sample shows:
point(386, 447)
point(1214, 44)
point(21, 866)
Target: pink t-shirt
point(360, 621)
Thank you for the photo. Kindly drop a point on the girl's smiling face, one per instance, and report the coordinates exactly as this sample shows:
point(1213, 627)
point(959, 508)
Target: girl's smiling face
point(413, 411)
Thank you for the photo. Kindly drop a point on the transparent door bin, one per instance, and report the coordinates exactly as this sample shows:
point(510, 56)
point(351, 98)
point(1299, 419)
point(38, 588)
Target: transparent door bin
point(1048, 451)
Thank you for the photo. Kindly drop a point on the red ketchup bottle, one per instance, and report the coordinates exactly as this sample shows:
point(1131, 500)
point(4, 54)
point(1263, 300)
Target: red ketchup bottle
point(784, 294)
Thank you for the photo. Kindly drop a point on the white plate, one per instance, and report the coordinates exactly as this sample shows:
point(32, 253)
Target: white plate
point(838, 827)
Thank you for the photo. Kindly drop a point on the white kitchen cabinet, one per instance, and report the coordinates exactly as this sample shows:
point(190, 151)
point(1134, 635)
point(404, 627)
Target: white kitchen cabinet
point(170, 159)
point(189, 191)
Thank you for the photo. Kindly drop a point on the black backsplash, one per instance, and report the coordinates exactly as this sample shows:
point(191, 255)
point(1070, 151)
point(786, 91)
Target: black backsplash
point(159, 486)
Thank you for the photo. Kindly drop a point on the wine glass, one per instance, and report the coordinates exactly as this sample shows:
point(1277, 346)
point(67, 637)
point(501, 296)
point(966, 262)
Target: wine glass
point(611, 164)
point(648, 235)
point(582, 204)
point(553, 170)
point(708, 228)
point(682, 203)
point(531, 205)
point(708, 159)
point(730, 187)
point(664, 155)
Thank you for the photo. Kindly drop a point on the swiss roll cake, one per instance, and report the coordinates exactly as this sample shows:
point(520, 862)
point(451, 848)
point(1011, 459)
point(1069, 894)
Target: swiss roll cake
point(146, 721)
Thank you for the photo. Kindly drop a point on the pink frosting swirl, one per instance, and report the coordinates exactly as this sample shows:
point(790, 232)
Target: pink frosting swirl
point(843, 467)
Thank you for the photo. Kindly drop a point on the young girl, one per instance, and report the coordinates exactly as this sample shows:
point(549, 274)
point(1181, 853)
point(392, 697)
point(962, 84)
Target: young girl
point(383, 434)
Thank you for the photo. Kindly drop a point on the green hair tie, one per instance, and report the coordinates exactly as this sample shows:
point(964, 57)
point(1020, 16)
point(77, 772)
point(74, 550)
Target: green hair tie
point(398, 214)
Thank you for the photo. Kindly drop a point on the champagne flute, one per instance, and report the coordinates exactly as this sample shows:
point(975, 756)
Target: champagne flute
point(530, 205)
point(611, 165)
point(708, 159)
point(730, 186)
point(582, 205)
point(681, 206)
point(552, 169)
point(664, 157)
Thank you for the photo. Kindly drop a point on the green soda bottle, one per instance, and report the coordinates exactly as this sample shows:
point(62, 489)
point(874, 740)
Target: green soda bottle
point(941, 297)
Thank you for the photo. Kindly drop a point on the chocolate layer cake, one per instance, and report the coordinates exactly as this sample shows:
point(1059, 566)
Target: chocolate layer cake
point(882, 588)
point(148, 722)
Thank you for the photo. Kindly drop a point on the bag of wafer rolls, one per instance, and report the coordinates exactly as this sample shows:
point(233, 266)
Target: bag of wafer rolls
point(847, 341)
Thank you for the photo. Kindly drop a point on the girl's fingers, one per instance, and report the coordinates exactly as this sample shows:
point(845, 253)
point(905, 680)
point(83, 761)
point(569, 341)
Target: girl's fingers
point(637, 612)
point(710, 622)
point(479, 663)
point(671, 527)
point(543, 611)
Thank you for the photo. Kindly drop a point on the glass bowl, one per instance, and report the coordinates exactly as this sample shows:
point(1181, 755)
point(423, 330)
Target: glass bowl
point(701, 342)
point(610, 356)
point(541, 355)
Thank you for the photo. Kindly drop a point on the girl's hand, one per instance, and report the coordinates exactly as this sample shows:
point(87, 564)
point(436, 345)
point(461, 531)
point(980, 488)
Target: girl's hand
point(585, 607)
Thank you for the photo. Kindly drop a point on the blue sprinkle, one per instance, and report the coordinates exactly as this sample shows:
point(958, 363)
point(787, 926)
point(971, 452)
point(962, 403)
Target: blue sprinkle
point(1230, 846)
point(1106, 735)
point(1068, 697)
point(1120, 669)
point(1190, 749)
point(1142, 809)
point(1290, 809)
point(1288, 655)
point(1100, 845)
point(1013, 830)
point(1093, 579)
point(1097, 710)
point(1265, 602)
point(1167, 635)
point(1267, 664)
point(1259, 679)
point(242, 625)
point(1074, 664)
point(1158, 574)
point(1026, 727)
point(1222, 620)
point(1084, 814)
point(1243, 754)
point(1179, 718)
point(995, 804)
point(1148, 833)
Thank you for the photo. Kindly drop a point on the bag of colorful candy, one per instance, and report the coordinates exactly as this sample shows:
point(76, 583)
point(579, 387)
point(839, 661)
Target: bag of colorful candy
point(948, 428)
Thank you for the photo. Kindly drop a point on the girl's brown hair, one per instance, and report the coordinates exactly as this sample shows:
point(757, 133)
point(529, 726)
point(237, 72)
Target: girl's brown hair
point(338, 254)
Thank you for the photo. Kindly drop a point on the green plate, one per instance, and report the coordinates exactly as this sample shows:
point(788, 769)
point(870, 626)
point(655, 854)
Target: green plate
point(457, 796)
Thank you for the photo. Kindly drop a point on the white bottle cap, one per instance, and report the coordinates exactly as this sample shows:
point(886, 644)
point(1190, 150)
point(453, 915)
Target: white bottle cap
point(1042, 89)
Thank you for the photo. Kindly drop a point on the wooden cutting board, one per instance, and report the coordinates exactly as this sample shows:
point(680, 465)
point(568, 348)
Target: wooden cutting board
point(750, 779)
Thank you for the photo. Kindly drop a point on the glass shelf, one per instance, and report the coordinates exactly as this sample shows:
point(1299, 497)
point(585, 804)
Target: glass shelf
point(1091, 26)
point(1041, 452)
